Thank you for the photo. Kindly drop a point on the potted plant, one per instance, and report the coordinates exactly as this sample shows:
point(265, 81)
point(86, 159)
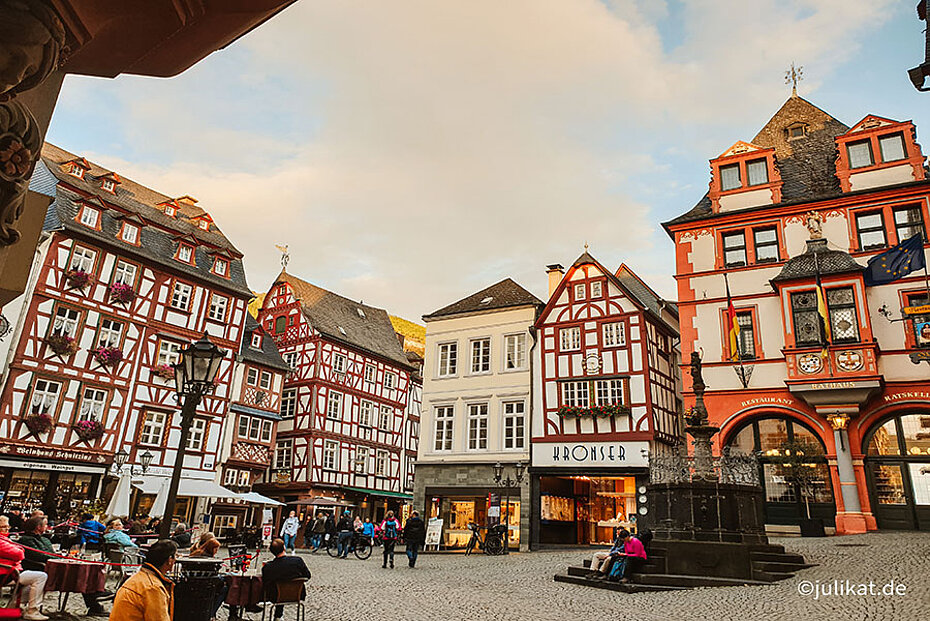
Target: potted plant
point(107, 356)
point(62, 344)
point(77, 278)
point(794, 464)
point(121, 293)
point(38, 424)
point(164, 371)
point(570, 410)
point(88, 430)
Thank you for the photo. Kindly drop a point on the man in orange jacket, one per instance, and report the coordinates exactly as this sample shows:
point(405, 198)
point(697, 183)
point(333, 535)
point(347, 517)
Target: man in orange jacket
point(149, 594)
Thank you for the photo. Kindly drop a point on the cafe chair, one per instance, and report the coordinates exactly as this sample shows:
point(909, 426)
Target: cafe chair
point(9, 606)
point(123, 558)
point(290, 593)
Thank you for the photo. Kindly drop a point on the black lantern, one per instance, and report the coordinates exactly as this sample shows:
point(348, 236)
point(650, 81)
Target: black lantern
point(498, 471)
point(120, 459)
point(197, 369)
point(520, 470)
point(146, 459)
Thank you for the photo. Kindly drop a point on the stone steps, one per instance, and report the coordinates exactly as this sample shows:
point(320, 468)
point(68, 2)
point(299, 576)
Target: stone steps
point(777, 558)
point(779, 567)
point(692, 581)
point(629, 587)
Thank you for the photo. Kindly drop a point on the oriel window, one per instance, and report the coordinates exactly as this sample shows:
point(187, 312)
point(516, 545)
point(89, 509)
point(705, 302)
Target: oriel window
point(806, 319)
point(844, 324)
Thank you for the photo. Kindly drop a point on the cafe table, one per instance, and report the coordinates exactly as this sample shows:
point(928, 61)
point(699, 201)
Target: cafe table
point(68, 576)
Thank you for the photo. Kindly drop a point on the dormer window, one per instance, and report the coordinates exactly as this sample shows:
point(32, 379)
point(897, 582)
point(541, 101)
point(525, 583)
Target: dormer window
point(109, 185)
point(256, 341)
point(129, 233)
point(77, 170)
point(729, 177)
point(185, 253)
point(892, 147)
point(90, 217)
point(860, 154)
point(220, 266)
point(878, 144)
point(204, 224)
point(757, 171)
point(798, 130)
point(170, 211)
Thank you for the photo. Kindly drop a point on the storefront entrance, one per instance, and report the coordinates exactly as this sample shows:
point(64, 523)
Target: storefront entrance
point(61, 494)
point(465, 507)
point(585, 510)
point(898, 470)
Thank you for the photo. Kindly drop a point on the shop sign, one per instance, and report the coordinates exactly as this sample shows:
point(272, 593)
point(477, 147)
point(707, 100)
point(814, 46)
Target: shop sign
point(919, 395)
point(434, 532)
point(767, 401)
point(916, 310)
point(56, 466)
point(590, 454)
point(53, 453)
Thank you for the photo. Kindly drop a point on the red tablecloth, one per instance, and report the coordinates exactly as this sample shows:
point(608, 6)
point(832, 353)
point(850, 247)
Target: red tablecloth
point(75, 576)
point(244, 590)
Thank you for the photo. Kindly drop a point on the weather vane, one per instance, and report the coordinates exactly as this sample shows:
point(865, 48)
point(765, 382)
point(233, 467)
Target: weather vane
point(794, 75)
point(285, 257)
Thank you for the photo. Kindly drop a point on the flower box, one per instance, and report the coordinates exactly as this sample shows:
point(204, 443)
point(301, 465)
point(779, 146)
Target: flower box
point(121, 293)
point(77, 278)
point(88, 430)
point(164, 371)
point(595, 411)
point(62, 344)
point(38, 423)
point(107, 356)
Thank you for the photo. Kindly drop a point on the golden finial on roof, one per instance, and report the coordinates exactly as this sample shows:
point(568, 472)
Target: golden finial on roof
point(586, 246)
point(285, 257)
point(794, 75)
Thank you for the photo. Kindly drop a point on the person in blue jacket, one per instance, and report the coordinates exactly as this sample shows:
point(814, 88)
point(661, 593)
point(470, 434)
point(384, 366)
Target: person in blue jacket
point(116, 535)
point(90, 532)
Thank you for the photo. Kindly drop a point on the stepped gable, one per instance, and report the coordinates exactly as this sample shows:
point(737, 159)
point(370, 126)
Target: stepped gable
point(504, 294)
point(371, 330)
point(807, 165)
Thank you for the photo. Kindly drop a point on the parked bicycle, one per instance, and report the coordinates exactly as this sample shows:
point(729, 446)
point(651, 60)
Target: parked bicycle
point(359, 544)
point(492, 543)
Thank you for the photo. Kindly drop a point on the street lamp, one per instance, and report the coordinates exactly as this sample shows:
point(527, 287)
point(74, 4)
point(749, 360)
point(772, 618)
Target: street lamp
point(194, 376)
point(121, 457)
point(519, 470)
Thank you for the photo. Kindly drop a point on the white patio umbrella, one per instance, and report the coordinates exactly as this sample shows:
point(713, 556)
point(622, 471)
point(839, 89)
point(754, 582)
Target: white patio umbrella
point(258, 499)
point(161, 500)
point(119, 503)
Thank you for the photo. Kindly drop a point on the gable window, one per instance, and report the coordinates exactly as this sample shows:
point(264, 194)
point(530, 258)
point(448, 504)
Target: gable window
point(514, 425)
point(892, 147)
point(514, 352)
point(387, 412)
point(218, 305)
point(90, 217)
point(370, 371)
point(579, 291)
point(153, 428)
point(283, 452)
point(448, 353)
point(909, 221)
point(481, 356)
point(129, 233)
point(256, 341)
point(204, 224)
point(109, 185)
point(185, 253)
point(844, 326)
point(570, 338)
point(288, 403)
point(757, 172)
point(389, 380)
point(124, 273)
point(806, 319)
point(860, 154)
point(366, 412)
point(575, 394)
point(220, 267)
point(170, 211)
point(477, 426)
point(339, 363)
point(797, 131)
point(181, 296)
point(361, 460)
point(596, 289)
point(614, 335)
point(444, 421)
point(66, 321)
point(196, 435)
point(93, 403)
point(871, 230)
point(330, 455)
point(265, 382)
point(44, 397)
point(334, 404)
point(77, 170)
point(83, 259)
point(109, 333)
point(734, 249)
point(280, 324)
point(381, 461)
point(766, 243)
point(729, 177)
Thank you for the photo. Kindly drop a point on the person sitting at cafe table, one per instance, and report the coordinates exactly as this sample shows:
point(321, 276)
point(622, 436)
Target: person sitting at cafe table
point(182, 536)
point(38, 551)
point(117, 536)
point(90, 532)
point(31, 583)
point(283, 568)
point(149, 594)
point(206, 546)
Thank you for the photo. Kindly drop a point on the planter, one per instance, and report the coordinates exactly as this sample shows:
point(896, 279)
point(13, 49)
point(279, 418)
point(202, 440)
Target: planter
point(38, 424)
point(77, 278)
point(812, 527)
point(88, 430)
point(121, 294)
point(164, 371)
point(62, 344)
point(107, 356)
point(596, 411)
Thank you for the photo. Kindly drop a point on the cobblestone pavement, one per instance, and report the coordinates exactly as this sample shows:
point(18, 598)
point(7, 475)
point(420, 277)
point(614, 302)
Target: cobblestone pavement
point(449, 587)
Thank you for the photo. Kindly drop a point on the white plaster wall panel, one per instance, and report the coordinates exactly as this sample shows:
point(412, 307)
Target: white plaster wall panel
point(637, 389)
point(882, 177)
point(586, 424)
point(703, 252)
point(707, 325)
point(636, 354)
point(742, 200)
point(634, 333)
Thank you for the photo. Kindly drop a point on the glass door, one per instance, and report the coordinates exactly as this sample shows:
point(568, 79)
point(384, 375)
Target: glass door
point(890, 496)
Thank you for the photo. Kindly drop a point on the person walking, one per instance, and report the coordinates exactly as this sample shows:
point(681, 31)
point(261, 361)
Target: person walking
point(289, 531)
point(390, 531)
point(344, 530)
point(149, 594)
point(319, 531)
point(414, 537)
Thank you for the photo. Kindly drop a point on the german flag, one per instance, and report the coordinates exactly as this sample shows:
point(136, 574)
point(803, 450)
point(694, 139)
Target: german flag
point(824, 318)
point(732, 325)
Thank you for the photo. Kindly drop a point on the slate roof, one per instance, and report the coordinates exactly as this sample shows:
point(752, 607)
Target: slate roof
point(807, 165)
point(159, 233)
point(504, 294)
point(268, 355)
point(643, 292)
point(327, 312)
point(818, 258)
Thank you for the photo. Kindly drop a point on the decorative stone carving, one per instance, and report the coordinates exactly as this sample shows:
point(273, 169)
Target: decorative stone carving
point(814, 223)
point(32, 38)
point(20, 144)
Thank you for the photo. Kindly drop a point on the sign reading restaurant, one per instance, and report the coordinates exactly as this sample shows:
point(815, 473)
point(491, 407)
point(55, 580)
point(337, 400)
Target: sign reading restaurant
point(590, 454)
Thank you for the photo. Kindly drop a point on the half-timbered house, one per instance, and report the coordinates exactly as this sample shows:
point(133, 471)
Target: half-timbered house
point(607, 374)
point(340, 442)
point(124, 278)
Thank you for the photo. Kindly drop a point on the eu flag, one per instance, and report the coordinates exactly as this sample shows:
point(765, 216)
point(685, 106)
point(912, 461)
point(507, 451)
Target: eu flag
point(897, 262)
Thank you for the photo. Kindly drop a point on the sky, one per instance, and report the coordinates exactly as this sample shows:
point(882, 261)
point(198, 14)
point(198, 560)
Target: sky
point(413, 152)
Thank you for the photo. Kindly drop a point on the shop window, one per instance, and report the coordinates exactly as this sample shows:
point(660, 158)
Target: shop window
point(870, 229)
point(909, 221)
point(734, 249)
point(844, 325)
point(766, 243)
point(892, 147)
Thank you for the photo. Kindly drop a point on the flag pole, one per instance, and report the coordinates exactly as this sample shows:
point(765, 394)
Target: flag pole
point(821, 295)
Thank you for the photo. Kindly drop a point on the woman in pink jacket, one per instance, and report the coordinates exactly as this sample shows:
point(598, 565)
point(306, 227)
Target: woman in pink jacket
point(32, 583)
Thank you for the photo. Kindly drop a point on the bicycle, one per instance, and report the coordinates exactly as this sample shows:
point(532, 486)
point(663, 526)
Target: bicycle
point(359, 544)
point(492, 543)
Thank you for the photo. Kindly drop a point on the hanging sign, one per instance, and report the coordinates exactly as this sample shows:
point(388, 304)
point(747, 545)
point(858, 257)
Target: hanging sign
point(916, 310)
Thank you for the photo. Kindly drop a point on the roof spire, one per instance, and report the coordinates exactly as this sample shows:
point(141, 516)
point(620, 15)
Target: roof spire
point(793, 76)
point(285, 256)
point(586, 246)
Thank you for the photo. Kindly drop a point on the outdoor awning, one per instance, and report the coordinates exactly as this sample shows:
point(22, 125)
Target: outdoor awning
point(187, 487)
point(258, 499)
point(322, 501)
point(376, 492)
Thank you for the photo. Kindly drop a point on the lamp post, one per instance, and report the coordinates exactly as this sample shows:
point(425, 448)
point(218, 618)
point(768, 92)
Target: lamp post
point(519, 470)
point(121, 457)
point(193, 376)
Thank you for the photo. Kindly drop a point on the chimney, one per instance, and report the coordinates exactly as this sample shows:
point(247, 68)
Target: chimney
point(556, 272)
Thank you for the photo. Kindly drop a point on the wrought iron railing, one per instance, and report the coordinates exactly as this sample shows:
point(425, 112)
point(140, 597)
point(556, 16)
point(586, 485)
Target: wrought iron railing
point(729, 467)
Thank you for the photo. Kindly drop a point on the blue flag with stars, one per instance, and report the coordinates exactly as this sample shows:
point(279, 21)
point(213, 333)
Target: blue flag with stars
point(897, 262)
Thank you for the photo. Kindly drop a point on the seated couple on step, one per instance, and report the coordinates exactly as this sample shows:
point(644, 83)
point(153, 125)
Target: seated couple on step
point(619, 563)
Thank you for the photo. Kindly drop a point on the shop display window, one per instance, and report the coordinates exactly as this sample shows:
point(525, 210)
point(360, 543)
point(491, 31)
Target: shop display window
point(586, 510)
point(27, 490)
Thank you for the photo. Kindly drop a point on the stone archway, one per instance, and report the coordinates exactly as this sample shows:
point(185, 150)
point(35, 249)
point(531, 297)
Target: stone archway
point(896, 453)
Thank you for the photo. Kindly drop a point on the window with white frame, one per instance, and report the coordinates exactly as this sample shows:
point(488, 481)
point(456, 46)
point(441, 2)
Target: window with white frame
point(448, 359)
point(266, 431)
point(514, 352)
point(481, 356)
point(185, 253)
point(245, 480)
point(444, 421)
point(153, 428)
point(90, 217)
point(220, 267)
point(93, 404)
point(361, 460)
point(181, 296)
point(381, 463)
point(66, 321)
point(109, 185)
point(196, 434)
point(290, 359)
point(575, 394)
point(283, 452)
point(579, 291)
point(570, 338)
point(231, 477)
point(109, 333)
point(243, 431)
point(255, 428)
point(265, 382)
point(251, 376)
point(288, 403)
point(514, 425)
point(609, 391)
point(124, 273)
point(170, 211)
point(168, 353)
point(256, 341)
point(218, 304)
point(330, 455)
point(387, 413)
point(613, 334)
point(129, 233)
point(370, 373)
point(366, 412)
point(76, 169)
point(339, 363)
point(334, 404)
point(477, 426)
point(44, 397)
point(83, 259)
point(389, 380)
point(596, 289)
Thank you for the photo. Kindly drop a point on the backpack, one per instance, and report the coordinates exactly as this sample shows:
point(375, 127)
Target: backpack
point(390, 530)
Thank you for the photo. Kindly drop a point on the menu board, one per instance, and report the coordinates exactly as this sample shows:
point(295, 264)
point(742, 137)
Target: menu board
point(434, 532)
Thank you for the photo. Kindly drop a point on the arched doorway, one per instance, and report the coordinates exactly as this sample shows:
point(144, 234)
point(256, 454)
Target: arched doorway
point(784, 503)
point(897, 460)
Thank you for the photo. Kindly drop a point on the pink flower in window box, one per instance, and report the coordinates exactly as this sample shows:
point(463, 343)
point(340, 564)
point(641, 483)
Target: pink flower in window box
point(121, 293)
point(77, 278)
point(164, 371)
point(62, 344)
point(88, 430)
point(107, 356)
